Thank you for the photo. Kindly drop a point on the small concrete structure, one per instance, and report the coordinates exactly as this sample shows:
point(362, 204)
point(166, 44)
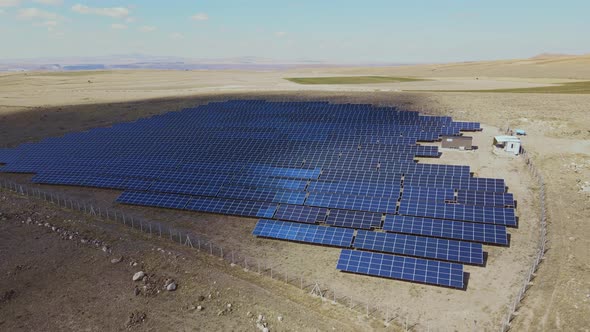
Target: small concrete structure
point(509, 143)
point(457, 142)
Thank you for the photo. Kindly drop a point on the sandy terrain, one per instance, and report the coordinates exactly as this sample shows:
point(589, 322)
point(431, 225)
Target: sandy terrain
point(44, 89)
point(542, 67)
point(559, 139)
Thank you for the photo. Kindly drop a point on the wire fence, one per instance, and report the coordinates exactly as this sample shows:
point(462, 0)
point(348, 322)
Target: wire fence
point(542, 245)
point(388, 314)
point(153, 229)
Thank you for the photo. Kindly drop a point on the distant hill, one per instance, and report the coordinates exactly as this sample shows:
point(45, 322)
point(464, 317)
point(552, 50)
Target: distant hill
point(140, 61)
point(551, 56)
point(554, 66)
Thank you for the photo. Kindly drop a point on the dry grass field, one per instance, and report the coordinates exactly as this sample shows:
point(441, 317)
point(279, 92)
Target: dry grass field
point(37, 105)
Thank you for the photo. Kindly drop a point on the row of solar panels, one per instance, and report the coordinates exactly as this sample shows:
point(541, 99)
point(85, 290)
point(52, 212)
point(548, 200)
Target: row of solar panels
point(105, 151)
point(419, 203)
point(452, 229)
point(424, 251)
point(423, 188)
point(113, 165)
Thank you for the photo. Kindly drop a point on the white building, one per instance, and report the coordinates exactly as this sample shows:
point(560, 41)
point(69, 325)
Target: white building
point(509, 143)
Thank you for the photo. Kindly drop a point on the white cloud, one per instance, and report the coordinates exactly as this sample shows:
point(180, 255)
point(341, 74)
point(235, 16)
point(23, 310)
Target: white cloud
point(10, 3)
point(114, 12)
point(147, 28)
point(130, 19)
point(200, 17)
point(176, 36)
point(36, 14)
point(117, 26)
point(49, 2)
point(50, 25)
point(280, 34)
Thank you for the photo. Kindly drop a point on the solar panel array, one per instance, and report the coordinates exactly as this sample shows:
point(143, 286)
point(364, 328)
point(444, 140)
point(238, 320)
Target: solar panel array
point(342, 175)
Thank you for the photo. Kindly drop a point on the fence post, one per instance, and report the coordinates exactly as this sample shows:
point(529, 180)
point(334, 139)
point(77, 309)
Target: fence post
point(188, 240)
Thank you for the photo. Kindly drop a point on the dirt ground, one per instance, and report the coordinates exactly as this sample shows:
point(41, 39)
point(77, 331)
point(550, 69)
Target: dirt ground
point(53, 283)
point(558, 137)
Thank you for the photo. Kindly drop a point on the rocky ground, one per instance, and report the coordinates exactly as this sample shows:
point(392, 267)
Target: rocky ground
point(65, 271)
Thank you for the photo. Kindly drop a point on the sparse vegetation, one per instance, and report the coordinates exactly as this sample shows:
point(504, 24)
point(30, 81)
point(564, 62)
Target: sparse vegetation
point(351, 80)
point(567, 88)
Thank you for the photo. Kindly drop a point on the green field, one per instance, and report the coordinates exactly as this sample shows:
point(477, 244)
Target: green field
point(351, 80)
point(567, 88)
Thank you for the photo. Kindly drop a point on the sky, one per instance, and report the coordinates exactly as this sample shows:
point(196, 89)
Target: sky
point(339, 31)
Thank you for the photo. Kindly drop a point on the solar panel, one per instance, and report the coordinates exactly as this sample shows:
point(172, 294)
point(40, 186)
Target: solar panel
point(153, 199)
point(353, 219)
point(232, 207)
point(466, 231)
point(330, 236)
point(465, 183)
point(184, 188)
point(481, 214)
point(402, 268)
point(306, 214)
point(355, 188)
point(263, 194)
point(489, 199)
point(426, 194)
point(358, 203)
point(420, 246)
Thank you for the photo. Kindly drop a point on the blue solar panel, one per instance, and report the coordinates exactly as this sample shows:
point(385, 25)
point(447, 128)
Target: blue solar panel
point(466, 231)
point(402, 268)
point(359, 203)
point(331, 236)
point(489, 199)
point(232, 207)
point(263, 194)
point(269, 182)
point(355, 188)
point(353, 219)
point(465, 183)
point(306, 214)
point(437, 195)
point(420, 246)
point(480, 214)
point(184, 188)
point(154, 199)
